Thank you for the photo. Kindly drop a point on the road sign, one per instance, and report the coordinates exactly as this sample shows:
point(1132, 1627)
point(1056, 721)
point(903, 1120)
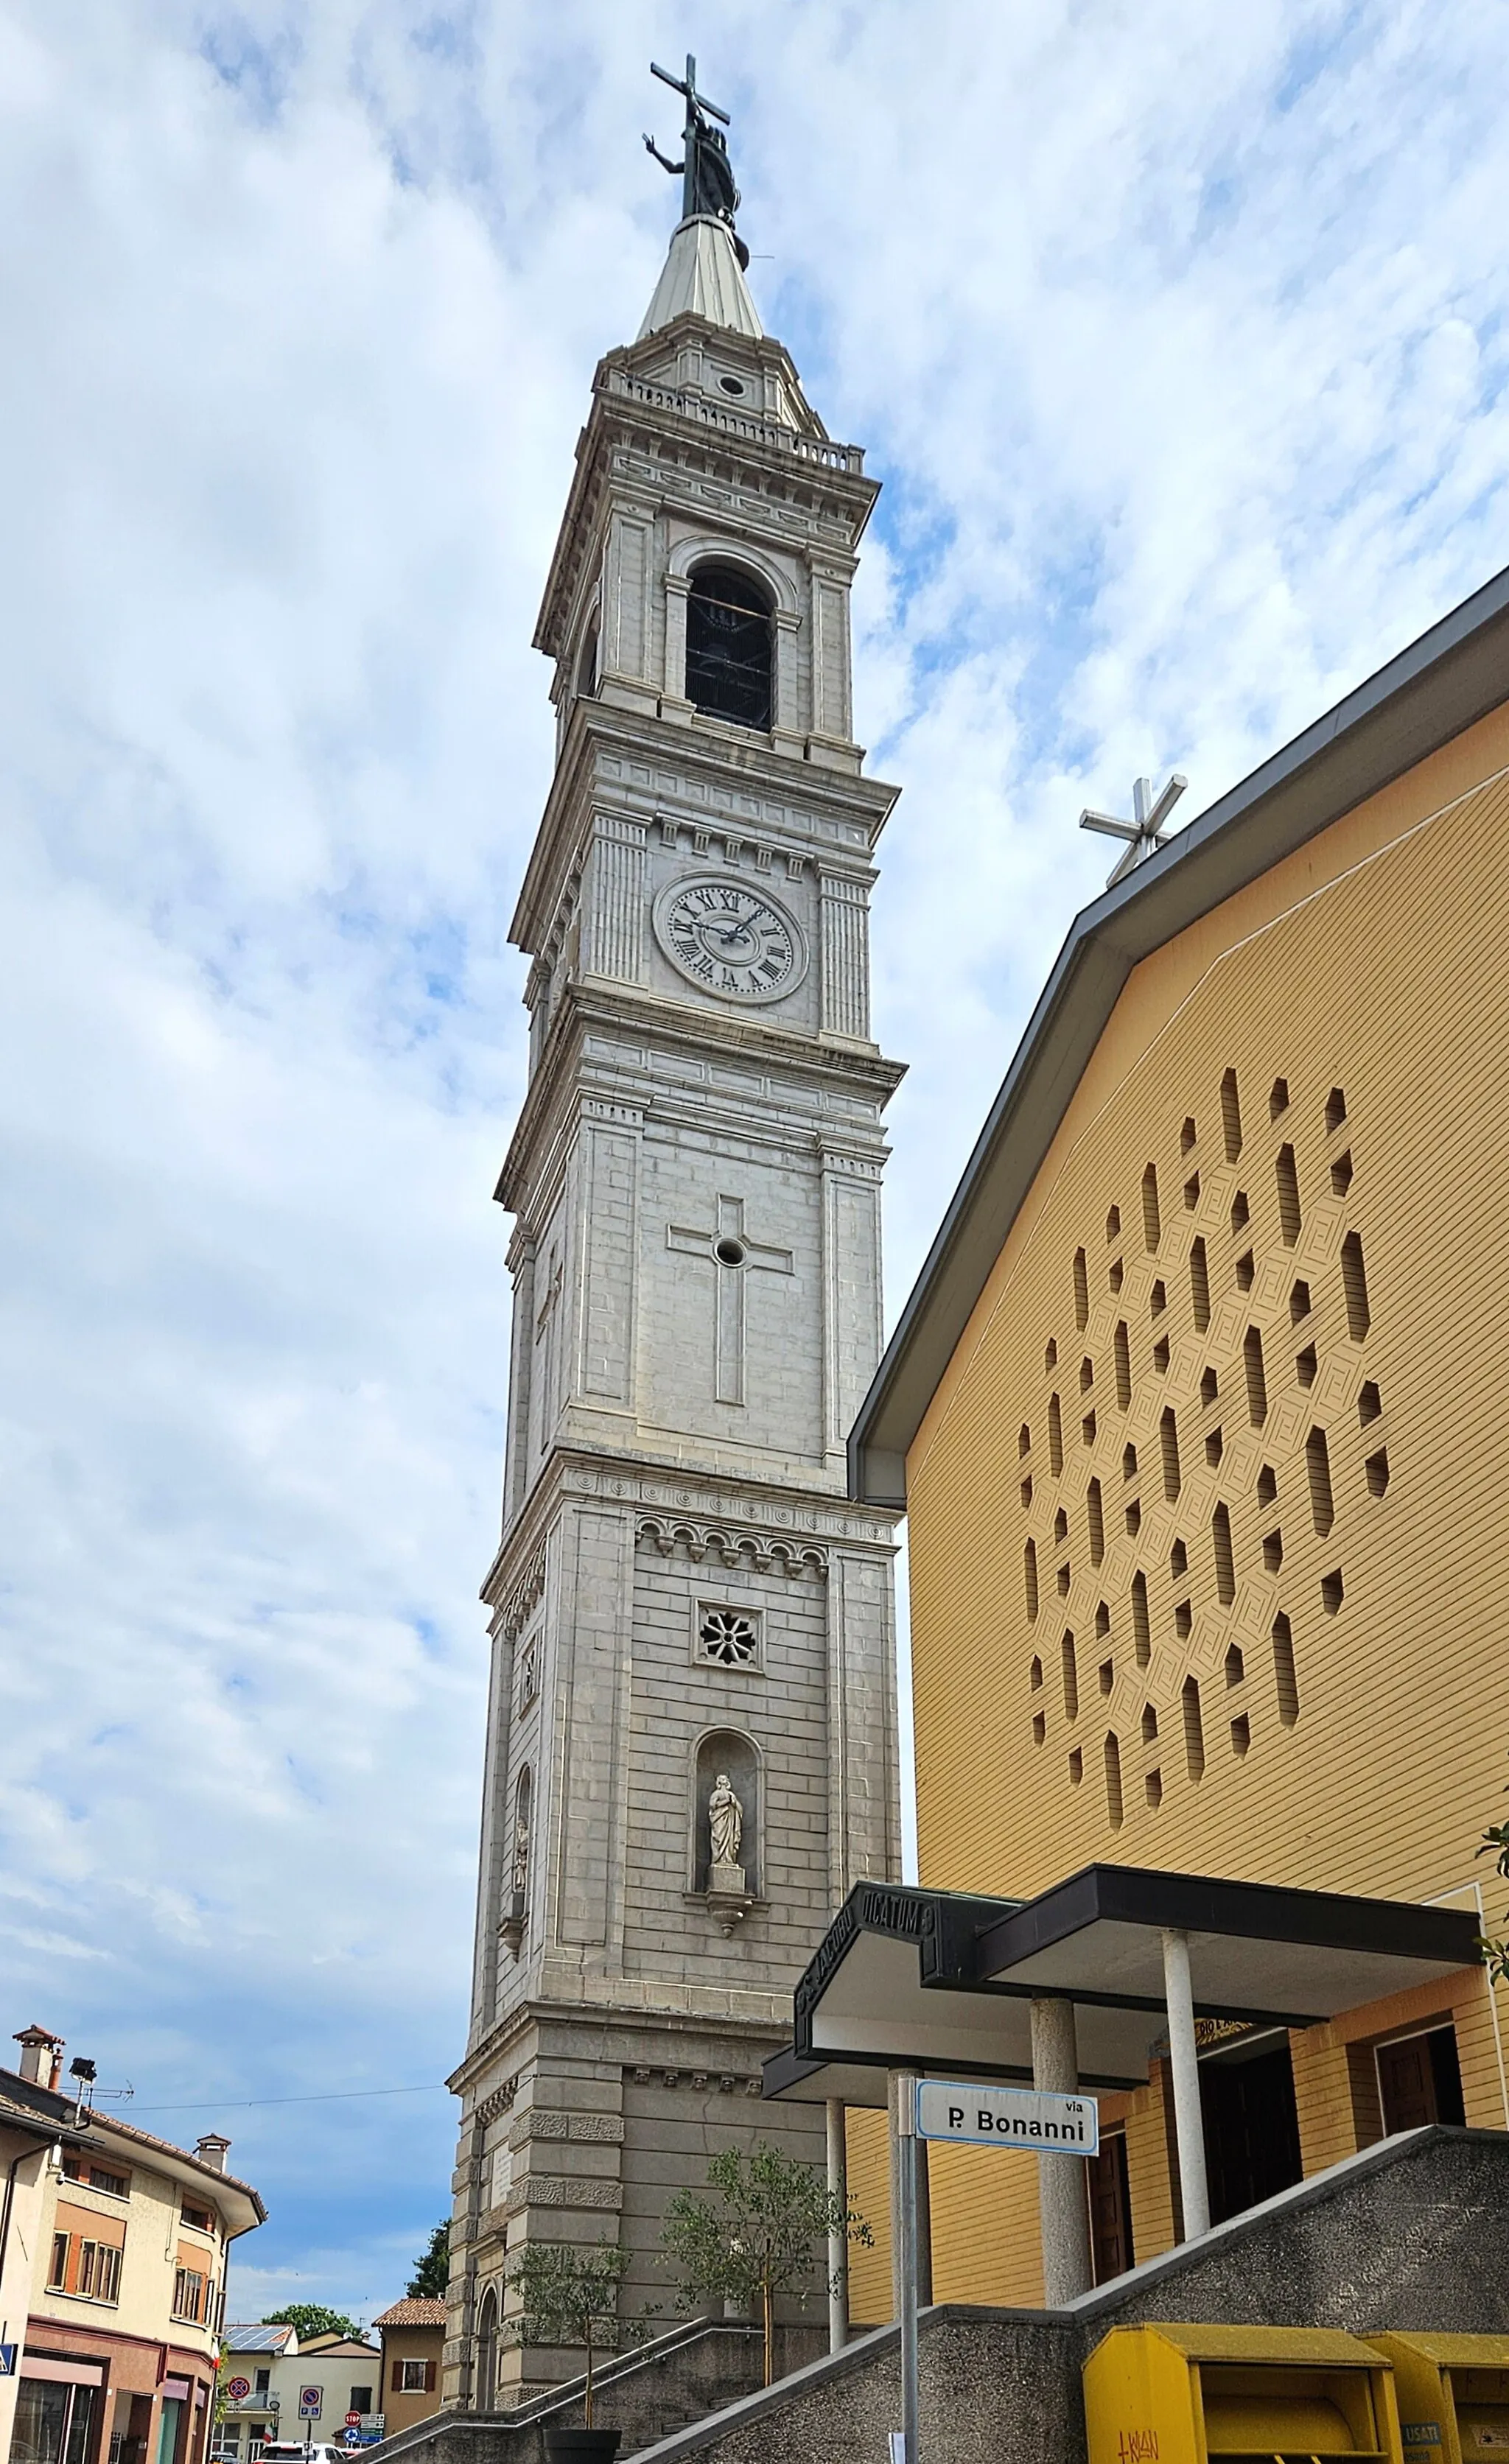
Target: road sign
point(1044, 2124)
point(7, 2354)
point(237, 2391)
point(353, 2421)
point(310, 2401)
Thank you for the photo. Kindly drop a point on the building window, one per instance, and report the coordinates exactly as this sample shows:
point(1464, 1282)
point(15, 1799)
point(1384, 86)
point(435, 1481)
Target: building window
point(413, 2377)
point(116, 2186)
point(189, 2295)
point(201, 2219)
point(99, 2271)
point(58, 2272)
point(727, 1638)
point(361, 2400)
point(728, 647)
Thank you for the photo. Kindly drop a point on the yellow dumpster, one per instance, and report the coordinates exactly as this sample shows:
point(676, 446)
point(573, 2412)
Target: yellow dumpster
point(1173, 2394)
point(1454, 2396)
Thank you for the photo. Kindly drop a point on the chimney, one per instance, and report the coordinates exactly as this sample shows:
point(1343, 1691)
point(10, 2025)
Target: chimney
point(213, 2150)
point(42, 2055)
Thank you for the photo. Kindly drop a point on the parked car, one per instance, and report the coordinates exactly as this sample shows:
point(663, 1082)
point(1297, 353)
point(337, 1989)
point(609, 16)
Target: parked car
point(293, 2451)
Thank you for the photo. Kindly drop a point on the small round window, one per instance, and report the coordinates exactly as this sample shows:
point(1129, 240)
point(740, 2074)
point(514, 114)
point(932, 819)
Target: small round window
point(732, 384)
point(727, 1639)
point(729, 1252)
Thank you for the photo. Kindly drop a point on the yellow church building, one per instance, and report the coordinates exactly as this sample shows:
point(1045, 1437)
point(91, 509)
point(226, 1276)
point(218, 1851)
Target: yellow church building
point(1199, 1412)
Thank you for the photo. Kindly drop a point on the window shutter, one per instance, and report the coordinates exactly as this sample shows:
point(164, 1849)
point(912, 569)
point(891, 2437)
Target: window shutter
point(429, 2378)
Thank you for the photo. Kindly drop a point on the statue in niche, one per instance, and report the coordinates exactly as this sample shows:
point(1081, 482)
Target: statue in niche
point(725, 1822)
point(520, 1855)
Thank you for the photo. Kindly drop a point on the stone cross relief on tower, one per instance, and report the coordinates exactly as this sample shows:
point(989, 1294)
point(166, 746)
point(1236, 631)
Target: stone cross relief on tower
point(725, 1246)
point(692, 1737)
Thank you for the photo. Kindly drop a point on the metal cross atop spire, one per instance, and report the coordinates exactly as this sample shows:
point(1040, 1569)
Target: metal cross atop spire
point(705, 170)
point(1144, 834)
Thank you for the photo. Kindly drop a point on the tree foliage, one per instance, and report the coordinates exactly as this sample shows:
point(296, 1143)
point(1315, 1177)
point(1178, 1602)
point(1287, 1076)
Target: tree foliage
point(757, 2235)
point(311, 2318)
point(1493, 1947)
point(432, 2268)
point(569, 2294)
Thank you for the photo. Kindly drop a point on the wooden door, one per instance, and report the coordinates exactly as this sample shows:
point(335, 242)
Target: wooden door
point(1110, 2208)
point(1406, 2084)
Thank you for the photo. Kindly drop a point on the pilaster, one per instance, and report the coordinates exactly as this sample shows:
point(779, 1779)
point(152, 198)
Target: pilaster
point(845, 953)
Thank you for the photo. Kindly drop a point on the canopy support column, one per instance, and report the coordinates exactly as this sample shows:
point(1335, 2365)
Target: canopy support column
point(1063, 2201)
point(1188, 2126)
point(837, 2241)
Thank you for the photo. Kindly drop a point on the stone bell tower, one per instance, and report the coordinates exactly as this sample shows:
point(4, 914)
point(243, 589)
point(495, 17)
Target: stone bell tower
point(692, 1744)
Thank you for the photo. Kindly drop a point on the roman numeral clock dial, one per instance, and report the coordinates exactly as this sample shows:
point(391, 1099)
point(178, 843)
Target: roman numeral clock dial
point(731, 941)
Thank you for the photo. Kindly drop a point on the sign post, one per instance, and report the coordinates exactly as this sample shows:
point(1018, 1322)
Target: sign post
point(906, 2185)
point(311, 2401)
point(1044, 2124)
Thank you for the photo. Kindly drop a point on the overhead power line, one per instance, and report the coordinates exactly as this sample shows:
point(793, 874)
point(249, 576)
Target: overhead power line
point(335, 2096)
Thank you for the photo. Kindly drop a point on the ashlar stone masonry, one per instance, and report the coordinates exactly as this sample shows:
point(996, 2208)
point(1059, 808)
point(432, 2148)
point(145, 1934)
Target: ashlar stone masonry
point(682, 1595)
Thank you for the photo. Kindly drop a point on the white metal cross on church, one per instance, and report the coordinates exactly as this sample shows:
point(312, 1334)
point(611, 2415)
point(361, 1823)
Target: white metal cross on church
point(1144, 832)
point(731, 1253)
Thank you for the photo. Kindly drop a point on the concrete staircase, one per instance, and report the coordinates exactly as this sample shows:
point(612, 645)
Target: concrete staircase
point(696, 2369)
point(1411, 2234)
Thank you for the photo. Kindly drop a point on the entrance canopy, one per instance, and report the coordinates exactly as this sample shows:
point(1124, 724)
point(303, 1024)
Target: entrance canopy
point(907, 1979)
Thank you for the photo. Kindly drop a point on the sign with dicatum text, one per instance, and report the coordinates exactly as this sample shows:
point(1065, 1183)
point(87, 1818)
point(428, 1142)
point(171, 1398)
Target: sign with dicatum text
point(1043, 2123)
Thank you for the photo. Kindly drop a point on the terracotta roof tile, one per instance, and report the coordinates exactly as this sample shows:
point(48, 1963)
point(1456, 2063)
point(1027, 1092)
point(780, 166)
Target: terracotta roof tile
point(412, 2313)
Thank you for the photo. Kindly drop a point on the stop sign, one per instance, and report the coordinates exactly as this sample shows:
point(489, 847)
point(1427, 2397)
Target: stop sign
point(353, 2421)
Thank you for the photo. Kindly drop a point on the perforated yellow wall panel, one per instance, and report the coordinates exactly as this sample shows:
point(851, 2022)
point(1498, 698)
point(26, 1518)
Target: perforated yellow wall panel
point(1208, 1517)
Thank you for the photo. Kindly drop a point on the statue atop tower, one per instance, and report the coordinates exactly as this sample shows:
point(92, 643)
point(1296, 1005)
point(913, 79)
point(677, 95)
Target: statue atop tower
point(705, 170)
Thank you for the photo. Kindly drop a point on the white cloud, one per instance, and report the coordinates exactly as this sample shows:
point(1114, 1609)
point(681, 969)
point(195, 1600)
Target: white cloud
point(1179, 341)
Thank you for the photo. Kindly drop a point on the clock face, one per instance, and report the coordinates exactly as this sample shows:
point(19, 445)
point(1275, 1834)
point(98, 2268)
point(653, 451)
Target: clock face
point(730, 939)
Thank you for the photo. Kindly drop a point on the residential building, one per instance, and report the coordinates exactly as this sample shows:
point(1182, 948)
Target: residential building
point(1198, 1414)
point(249, 2406)
point(121, 2301)
point(413, 2334)
point(269, 2374)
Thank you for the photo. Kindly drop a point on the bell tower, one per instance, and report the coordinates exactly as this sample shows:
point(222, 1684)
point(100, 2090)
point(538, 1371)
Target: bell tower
point(692, 1736)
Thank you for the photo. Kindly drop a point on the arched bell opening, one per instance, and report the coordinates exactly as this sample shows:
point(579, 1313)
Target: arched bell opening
point(729, 646)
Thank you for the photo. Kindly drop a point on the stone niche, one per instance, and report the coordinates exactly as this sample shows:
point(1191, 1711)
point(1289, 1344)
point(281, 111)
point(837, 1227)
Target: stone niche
point(732, 1885)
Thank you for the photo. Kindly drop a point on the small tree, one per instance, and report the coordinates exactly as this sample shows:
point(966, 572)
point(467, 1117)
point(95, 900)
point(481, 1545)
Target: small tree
point(758, 2235)
point(1493, 1947)
point(433, 2269)
point(311, 2318)
point(569, 2295)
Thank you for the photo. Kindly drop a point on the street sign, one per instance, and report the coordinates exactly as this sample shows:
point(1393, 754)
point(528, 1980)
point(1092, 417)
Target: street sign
point(310, 2401)
point(353, 2421)
point(237, 2391)
point(7, 2354)
point(1044, 2124)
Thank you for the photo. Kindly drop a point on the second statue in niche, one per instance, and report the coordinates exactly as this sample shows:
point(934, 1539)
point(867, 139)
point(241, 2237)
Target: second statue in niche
point(728, 1894)
point(726, 1824)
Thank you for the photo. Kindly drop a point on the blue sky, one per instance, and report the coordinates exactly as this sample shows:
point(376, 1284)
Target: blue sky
point(1178, 339)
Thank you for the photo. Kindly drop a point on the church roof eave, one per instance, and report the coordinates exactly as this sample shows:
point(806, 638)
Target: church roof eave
point(1453, 675)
